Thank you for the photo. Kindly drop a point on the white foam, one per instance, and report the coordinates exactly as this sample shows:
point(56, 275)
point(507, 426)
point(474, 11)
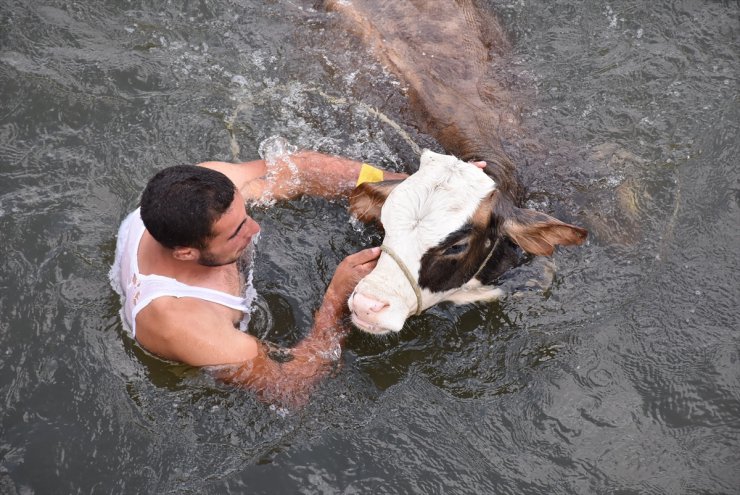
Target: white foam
point(276, 151)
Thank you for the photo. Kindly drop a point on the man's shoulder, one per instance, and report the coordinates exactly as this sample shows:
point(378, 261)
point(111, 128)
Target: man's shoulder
point(171, 314)
point(178, 308)
point(192, 331)
point(244, 175)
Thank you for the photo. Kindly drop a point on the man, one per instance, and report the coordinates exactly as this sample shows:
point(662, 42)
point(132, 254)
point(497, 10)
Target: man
point(183, 295)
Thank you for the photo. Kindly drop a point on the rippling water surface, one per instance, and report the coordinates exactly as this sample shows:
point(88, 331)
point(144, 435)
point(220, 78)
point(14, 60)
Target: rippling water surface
point(623, 377)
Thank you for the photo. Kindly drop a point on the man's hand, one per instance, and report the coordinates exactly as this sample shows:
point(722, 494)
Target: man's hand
point(350, 271)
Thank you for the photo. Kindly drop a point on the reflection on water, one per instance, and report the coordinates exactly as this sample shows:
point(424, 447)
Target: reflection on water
point(622, 376)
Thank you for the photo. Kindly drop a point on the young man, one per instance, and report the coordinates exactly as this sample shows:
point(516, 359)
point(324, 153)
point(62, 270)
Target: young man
point(183, 295)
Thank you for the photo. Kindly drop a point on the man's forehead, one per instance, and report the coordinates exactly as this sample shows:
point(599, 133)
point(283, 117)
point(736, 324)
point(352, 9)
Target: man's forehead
point(230, 219)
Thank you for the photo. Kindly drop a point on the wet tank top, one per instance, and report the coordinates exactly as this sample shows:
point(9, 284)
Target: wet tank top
point(137, 290)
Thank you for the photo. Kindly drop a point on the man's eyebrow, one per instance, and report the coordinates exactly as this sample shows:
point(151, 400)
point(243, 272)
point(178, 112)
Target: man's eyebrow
point(238, 229)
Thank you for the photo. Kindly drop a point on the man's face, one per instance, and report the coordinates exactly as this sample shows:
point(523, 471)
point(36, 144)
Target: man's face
point(232, 234)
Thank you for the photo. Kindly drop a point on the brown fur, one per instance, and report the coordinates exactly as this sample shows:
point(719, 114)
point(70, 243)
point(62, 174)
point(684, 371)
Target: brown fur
point(535, 232)
point(441, 271)
point(366, 200)
point(446, 52)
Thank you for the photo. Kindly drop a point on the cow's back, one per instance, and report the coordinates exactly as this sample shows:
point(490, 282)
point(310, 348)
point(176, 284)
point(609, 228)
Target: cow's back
point(445, 52)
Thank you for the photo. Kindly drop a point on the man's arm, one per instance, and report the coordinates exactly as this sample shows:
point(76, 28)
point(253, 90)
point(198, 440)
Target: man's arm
point(290, 382)
point(304, 172)
point(190, 331)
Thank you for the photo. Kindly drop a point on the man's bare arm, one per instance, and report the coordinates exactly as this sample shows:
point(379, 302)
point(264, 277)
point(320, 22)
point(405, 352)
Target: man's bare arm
point(304, 172)
point(290, 382)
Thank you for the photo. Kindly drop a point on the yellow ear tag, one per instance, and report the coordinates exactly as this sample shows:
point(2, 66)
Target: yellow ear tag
point(368, 173)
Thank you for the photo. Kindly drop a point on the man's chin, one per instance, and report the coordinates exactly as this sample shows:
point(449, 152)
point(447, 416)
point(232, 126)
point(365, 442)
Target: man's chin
point(213, 262)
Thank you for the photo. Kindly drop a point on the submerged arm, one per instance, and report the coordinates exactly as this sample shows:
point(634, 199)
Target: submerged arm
point(291, 382)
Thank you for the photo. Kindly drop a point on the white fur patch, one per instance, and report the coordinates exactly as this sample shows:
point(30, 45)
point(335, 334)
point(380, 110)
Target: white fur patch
point(431, 204)
point(417, 215)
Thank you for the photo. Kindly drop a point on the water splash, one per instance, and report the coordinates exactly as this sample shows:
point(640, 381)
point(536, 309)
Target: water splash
point(356, 224)
point(333, 353)
point(276, 151)
point(275, 148)
point(613, 18)
point(245, 266)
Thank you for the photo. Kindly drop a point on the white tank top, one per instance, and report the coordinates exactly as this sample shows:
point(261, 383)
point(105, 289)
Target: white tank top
point(137, 290)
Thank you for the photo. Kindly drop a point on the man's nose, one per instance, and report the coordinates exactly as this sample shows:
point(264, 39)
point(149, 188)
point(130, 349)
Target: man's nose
point(254, 227)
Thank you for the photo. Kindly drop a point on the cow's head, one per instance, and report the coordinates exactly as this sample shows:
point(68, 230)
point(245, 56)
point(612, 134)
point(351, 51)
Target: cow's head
point(448, 233)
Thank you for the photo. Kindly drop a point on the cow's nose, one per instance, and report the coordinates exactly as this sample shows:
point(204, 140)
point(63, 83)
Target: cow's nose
point(365, 306)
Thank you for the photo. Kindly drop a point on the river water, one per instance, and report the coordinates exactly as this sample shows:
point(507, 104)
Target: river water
point(623, 377)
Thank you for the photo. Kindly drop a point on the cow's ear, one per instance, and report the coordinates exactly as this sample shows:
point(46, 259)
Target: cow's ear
point(538, 233)
point(366, 200)
point(535, 232)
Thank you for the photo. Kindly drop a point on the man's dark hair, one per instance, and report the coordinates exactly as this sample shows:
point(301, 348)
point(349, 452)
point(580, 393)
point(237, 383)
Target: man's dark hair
point(180, 204)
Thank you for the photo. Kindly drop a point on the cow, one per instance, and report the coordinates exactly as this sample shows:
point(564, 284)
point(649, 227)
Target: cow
point(450, 232)
point(451, 229)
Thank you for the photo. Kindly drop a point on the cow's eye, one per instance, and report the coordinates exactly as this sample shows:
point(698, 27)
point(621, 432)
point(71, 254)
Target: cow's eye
point(456, 249)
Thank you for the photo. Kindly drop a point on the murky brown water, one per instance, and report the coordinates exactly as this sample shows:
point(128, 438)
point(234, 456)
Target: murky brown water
point(623, 378)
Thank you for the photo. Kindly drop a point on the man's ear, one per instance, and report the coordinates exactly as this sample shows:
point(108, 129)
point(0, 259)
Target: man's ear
point(366, 200)
point(185, 253)
point(535, 232)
